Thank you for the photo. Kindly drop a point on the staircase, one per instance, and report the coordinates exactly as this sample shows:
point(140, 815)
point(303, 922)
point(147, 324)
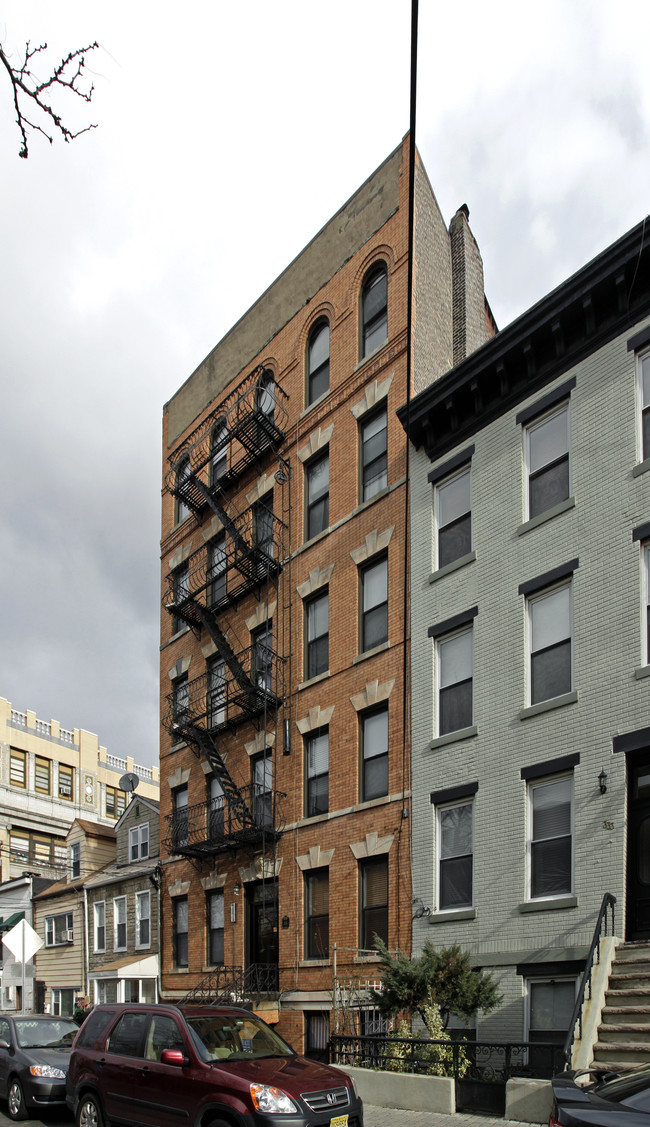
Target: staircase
point(624, 1032)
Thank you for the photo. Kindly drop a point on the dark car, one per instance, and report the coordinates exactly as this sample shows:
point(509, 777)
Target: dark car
point(161, 1065)
point(601, 1099)
point(34, 1059)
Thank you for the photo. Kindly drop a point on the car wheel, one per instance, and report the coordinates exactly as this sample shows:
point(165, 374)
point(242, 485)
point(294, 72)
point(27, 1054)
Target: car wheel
point(16, 1100)
point(88, 1112)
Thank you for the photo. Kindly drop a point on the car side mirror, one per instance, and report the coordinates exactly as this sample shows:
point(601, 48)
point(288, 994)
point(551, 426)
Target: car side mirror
point(173, 1056)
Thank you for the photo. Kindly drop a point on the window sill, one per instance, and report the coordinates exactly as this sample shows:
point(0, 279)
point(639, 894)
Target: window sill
point(370, 355)
point(313, 963)
point(454, 737)
point(453, 914)
point(549, 904)
point(363, 505)
point(454, 565)
point(548, 514)
point(314, 680)
point(178, 634)
point(642, 672)
point(315, 403)
point(178, 970)
point(548, 705)
point(316, 537)
point(177, 747)
point(641, 468)
point(370, 653)
point(209, 968)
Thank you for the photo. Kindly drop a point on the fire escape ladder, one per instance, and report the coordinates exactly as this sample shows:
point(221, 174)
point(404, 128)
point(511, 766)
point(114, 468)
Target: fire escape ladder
point(224, 648)
point(207, 746)
point(219, 510)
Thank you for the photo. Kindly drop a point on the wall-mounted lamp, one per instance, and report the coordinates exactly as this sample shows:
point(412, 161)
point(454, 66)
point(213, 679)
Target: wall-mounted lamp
point(419, 909)
point(237, 889)
point(602, 780)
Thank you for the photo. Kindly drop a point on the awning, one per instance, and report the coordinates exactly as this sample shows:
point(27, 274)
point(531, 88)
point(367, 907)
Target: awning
point(11, 921)
point(146, 967)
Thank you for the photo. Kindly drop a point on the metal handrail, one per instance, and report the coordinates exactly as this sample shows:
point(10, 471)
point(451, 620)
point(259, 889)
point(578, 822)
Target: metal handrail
point(609, 900)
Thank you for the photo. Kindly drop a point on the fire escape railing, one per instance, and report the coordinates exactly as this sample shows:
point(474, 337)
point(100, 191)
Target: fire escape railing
point(245, 426)
point(219, 824)
point(575, 1025)
point(219, 702)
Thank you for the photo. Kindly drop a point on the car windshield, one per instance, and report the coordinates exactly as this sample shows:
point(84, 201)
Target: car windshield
point(231, 1037)
point(623, 1087)
point(52, 1033)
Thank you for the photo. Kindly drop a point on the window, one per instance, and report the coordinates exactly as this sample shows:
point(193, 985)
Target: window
point(216, 808)
point(59, 929)
point(262, 772)
point(455, 856)
point(183, 471)
point(218, 451)
point(318, 361)
point(317, 753)
point(75, 860)
point(374, 754)
point(374, 309)
point(214, 904)
point(453, 516)
point(180, 926)
point(547, 456)
point(217, 566)
point(374, 605)
point(139, 842)
point(127, 1037)
point(551, 846)
point(18, 768)
point(181, 700)
point(263, 658)
point(115, 802)
point(42, 775)
point(119, 923)
point(374, 902)
point(38, 849)
point(66, 782)
point(317, 628)
point(550, 1008)
point(62, 1002)
point(263, 525)
point(455, 690)
point(142, 919)
point(216, 689)
point(181, 581)
point(374, 454)
point(266, 394)
point(317, 914)
point(317, 1035)
point(550, 644)
point(646, 584)
point(318, 494)
point(180, 817)
point(99, 925)
point(643, 363)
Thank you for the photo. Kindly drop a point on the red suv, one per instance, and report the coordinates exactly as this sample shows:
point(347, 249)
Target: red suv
point(205, 1066)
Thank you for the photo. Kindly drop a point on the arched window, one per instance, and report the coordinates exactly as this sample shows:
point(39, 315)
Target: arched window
point(183, 471)
point(266, 393)
point(218, 451)
point(318, 361)
point(374, 309)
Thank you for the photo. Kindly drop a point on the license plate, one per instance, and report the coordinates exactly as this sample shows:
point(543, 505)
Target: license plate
point(339, 1121)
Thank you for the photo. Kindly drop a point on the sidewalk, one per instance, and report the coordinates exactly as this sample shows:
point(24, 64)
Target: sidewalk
point(396, 1117)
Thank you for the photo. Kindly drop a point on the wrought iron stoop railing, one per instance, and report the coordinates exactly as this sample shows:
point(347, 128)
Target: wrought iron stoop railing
point(239, 986)
point(606, 913)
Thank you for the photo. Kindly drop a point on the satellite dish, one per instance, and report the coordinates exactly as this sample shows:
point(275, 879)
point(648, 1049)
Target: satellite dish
point(129, 781)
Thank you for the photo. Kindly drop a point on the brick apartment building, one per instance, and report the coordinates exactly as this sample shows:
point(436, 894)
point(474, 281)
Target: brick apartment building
point(285, 751)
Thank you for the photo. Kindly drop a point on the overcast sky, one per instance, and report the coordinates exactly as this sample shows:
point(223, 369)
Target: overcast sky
point(227, 135)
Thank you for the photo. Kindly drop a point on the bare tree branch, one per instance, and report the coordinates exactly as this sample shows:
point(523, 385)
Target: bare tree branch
point(28, 92)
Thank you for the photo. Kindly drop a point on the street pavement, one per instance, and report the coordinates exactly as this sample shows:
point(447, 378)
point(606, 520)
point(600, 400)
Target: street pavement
point(373, 1117)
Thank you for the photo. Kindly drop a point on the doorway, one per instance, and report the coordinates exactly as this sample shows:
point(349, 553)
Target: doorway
point(263, 946)
point(638, 849)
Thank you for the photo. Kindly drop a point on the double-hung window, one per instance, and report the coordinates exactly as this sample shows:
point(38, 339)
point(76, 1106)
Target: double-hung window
point(262, 779)
point(374, 604)
point(374, 309)
point(456, 681)
point(453, 516)
point(263, 525)
point(216, 693)
point(75, 860)
point(374, 453)
point(317, 630)
point(42, 775)
point(318, 494)
point(643, 368)
point(217, 566)
point(115, 802)
point(180, 926)
point(119, 923)
point(18, 768)
point(317, 914)
point(215, 921)
point(373, 898)
point(318, 361)
point(66, 782)
point(218, 451)
point(59, 929)
point(99, 925)
point(139, 842)
point(143, 919)
point(547, 460)
point(181, 581)
point(455, 855)
point(262, 657)
point(317, 752)
point(181, 699)
point(374, 754)
point(550, 846)
point(646, 609)
point(179, 817)
point(183, 472)
point(550, 631)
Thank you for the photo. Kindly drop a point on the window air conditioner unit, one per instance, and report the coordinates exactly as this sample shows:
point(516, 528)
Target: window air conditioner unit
point(69, 935)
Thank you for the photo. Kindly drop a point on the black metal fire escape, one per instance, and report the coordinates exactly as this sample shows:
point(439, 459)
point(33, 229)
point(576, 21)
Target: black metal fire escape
point(242, 683)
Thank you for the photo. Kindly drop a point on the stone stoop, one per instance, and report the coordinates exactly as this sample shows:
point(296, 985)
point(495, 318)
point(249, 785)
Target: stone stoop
point(624, 1032)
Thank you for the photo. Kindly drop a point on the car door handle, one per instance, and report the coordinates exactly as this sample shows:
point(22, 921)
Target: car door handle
point(144, 1069)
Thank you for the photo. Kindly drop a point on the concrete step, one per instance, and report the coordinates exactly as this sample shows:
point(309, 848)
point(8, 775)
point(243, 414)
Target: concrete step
point(638, 997)
point(624, 1034)
point(629, 978)
point(618, 1054)
point(633, 952)
point(619, 1015)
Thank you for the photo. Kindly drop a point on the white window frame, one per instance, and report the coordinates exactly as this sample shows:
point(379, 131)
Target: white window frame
point(139, 842)
point(99, 925)
point(532, 786)
point(58, 929)
point(642, 358)
point(119, 905)
point(74, 860)
point(440, 643)
point(532, 600)
point(463, 471)
point(529, 428)
point(142, 898)
point(57, 995)
point(440, 810)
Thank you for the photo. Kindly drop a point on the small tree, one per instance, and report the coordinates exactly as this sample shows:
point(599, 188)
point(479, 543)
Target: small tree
point(442, 978)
